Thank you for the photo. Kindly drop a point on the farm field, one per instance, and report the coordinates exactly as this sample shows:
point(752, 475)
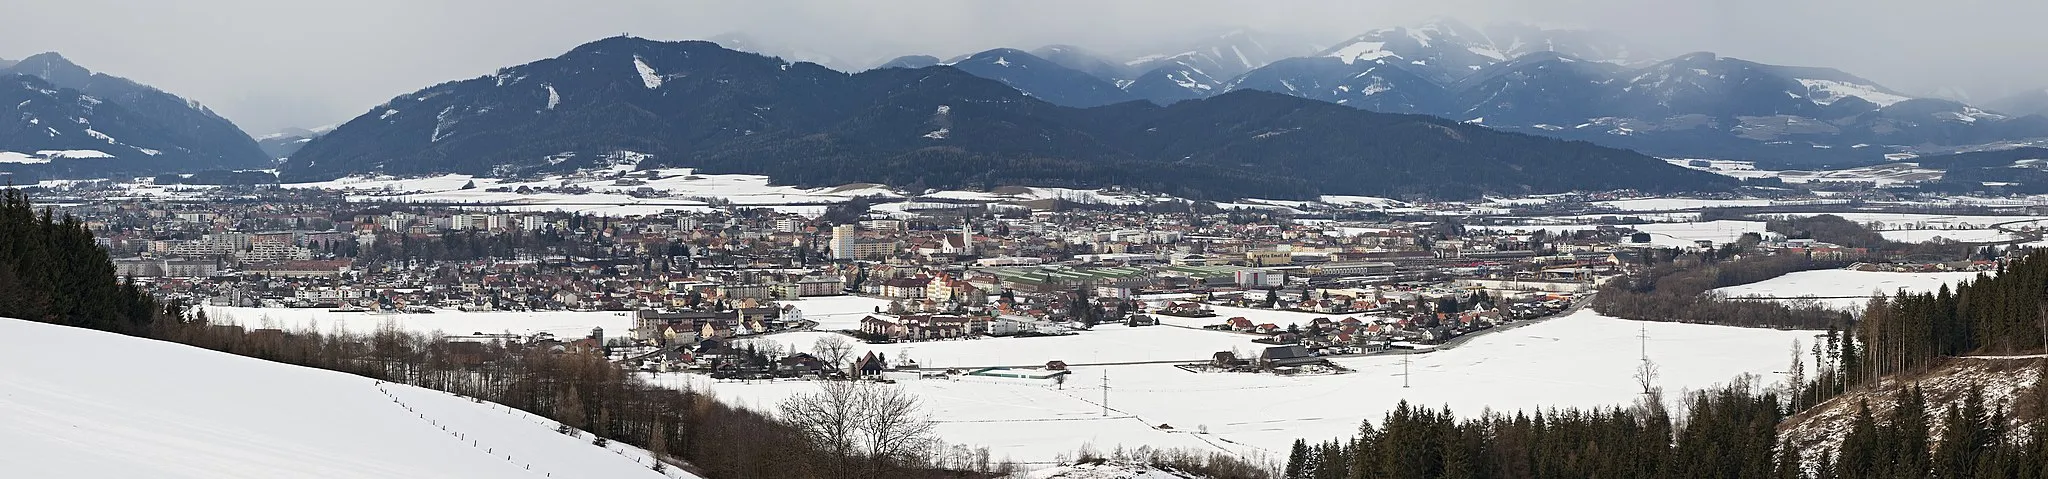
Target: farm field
point(1842, 288)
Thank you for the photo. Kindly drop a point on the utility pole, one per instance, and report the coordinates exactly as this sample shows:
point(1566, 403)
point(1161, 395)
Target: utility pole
point(1105, 393)
point(1404, 370)
point(1643, 336)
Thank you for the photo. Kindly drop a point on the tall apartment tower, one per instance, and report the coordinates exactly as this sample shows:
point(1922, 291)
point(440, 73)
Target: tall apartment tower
point(843, 237)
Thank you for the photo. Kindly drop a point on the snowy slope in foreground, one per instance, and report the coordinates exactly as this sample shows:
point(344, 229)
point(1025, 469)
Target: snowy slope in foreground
point(88, 404)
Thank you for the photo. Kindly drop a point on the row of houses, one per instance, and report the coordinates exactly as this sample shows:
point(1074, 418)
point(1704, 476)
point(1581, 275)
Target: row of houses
point(921, 327)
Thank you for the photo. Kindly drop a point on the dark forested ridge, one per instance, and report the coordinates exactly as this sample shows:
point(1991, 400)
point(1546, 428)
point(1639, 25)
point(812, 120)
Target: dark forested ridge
point(698, 105)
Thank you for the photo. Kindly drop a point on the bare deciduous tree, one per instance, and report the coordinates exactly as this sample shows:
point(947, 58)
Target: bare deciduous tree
point(894, 428)
point(871, 427)
point(834, 350)
point(828, 417)
point(1646, 376)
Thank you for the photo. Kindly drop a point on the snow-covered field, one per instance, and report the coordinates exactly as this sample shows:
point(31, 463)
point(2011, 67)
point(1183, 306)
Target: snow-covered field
point(1685, 234)
point(1887, 174)
point(835, 313)
point(1667, 204)
point(1850, 289)
point(1581, 360)
point(1108, 343)
point(1901, 221)
point(1954, 235)
point(560, 323)
point(87, 404)
point(666, 189)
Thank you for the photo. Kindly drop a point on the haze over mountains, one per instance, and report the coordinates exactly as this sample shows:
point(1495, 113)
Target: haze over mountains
point(890, 124)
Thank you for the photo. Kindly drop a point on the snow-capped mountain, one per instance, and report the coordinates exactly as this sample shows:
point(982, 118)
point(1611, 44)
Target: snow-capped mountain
point(56, 114)
point(1426, 68)
point(1202, 68)
point(1590, 86)
point(1042, 78)
point(1442, 51)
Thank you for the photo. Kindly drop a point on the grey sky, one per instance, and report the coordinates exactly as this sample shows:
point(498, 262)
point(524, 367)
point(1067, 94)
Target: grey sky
point(269, 64)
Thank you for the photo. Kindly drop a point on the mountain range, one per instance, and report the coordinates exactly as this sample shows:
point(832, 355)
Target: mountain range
point(942, 126)
point(284, 143)
point(1060, 105)
point(1562, 83)
point(58, 117)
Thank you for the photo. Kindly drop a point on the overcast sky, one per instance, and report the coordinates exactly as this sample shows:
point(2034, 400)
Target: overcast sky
point(269, 64)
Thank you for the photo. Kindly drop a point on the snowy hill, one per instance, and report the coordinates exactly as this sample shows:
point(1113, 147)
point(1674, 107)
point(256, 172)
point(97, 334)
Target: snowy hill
point(2003, 380)
point(142, 408)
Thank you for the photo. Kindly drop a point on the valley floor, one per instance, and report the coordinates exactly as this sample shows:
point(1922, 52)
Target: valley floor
point(1580, 360)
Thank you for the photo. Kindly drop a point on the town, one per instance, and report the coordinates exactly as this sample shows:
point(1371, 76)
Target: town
point(698, 281)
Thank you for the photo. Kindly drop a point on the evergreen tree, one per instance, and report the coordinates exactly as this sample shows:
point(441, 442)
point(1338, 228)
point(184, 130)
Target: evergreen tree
point(1297, 461)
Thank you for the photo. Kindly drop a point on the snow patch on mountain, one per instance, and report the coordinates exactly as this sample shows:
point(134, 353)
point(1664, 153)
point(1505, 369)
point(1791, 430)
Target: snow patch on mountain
point(1362, 52)
point(554, 98)
point(21, 158)
point(441, 123)
point(648, 76)
point(73, 154)
point(1827, 92)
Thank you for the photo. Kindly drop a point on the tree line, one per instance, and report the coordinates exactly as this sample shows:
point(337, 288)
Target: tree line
point(1726, 432)
point(1674, 290)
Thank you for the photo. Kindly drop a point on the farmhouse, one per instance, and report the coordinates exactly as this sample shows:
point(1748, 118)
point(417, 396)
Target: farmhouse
point(1290, 355)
